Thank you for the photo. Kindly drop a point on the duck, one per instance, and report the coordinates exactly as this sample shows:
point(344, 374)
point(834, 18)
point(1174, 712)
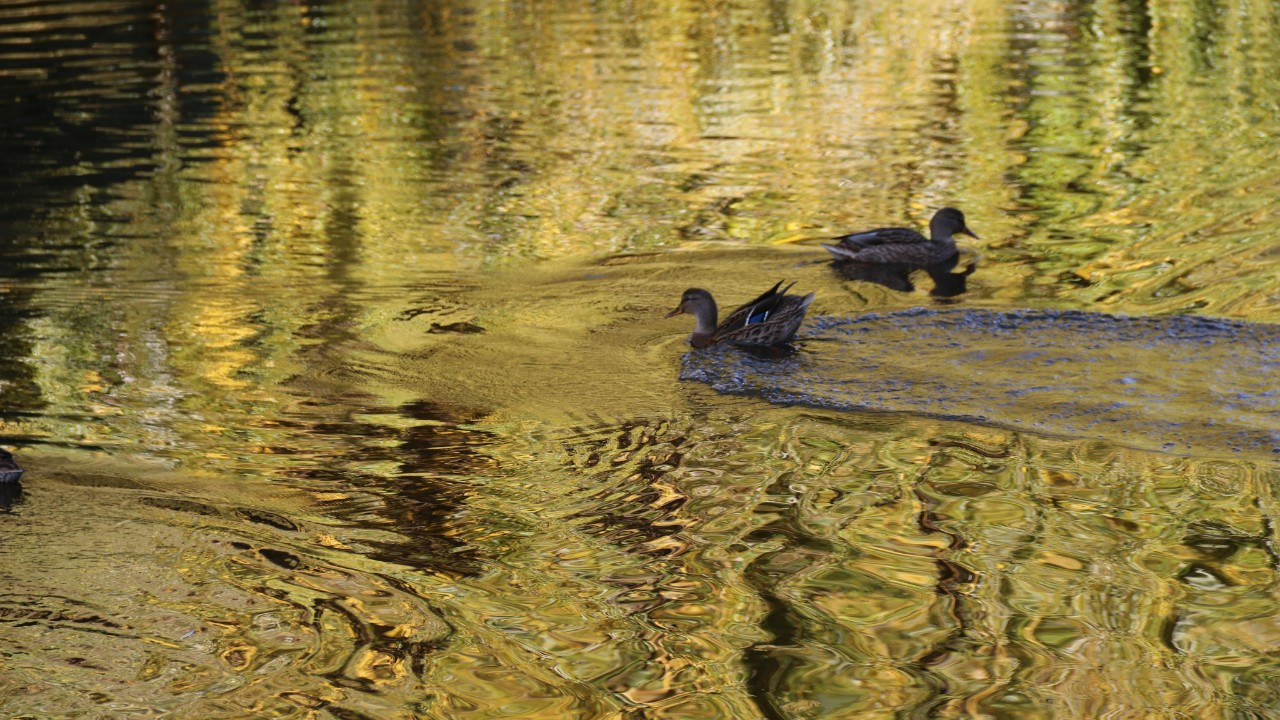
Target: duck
point(9, 470)
point(771, 319)
point(903, 245)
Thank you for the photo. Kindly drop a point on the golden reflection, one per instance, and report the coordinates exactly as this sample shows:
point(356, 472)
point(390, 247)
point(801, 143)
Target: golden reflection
point(333, 359)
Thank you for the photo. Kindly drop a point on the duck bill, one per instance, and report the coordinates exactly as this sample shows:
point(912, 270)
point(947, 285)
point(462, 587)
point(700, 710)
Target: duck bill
point(971, 233)
point(675, 312)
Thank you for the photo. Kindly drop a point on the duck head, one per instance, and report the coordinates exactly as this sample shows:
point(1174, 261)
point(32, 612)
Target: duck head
point(698, 303)
point(948, 222)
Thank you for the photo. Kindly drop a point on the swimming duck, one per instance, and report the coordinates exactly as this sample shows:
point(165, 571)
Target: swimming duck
point(9, 470)
point(771, 319)
point(901, 245)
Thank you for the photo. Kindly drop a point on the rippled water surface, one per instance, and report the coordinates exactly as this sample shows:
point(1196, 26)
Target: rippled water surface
point(333, 347)
point(1178, 383)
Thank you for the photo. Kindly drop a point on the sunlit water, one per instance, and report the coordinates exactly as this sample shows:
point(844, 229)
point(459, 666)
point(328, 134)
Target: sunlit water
point(333, 347)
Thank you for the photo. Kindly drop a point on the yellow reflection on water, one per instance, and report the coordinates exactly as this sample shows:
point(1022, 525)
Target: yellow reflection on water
point(333, 344)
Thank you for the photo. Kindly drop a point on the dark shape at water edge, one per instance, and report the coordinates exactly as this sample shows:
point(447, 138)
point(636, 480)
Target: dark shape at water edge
point(10, 495)
point(9, 470)
point(1181, 384)
point(897, 276)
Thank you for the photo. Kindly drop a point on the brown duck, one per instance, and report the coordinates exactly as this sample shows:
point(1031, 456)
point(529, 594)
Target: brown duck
point(771, 319)
point(902, 245)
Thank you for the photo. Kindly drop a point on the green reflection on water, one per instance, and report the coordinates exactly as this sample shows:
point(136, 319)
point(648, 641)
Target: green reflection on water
point(333, 345)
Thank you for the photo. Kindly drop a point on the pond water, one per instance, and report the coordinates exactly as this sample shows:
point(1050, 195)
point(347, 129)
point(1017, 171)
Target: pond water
point(334, 350)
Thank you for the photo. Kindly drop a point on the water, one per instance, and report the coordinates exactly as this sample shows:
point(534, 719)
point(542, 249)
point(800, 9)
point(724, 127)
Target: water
point(1177, 383)
point(334, 351)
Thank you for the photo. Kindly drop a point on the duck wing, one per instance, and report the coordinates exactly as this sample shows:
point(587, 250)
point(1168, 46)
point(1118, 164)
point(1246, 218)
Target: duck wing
point(775, 326)
point(851, 246)
point(762, 305)
point(914, 255)
point(881, 236)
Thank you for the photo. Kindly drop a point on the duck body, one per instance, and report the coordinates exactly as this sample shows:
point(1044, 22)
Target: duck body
point(771, 319)
point(9, 470)
point(903, 245)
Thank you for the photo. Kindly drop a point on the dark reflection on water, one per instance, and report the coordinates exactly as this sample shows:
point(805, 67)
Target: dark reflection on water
point(82, 101)
point(332, 349)
point(897, 276)
point(435, 458)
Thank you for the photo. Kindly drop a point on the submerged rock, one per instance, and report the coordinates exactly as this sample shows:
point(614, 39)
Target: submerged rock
point(1182, 384)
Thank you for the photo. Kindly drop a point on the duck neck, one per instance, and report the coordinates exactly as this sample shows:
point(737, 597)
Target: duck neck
point(706, 314)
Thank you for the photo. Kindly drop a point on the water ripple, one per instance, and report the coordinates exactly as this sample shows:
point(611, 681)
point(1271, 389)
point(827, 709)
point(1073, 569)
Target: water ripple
point(1177, 383)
